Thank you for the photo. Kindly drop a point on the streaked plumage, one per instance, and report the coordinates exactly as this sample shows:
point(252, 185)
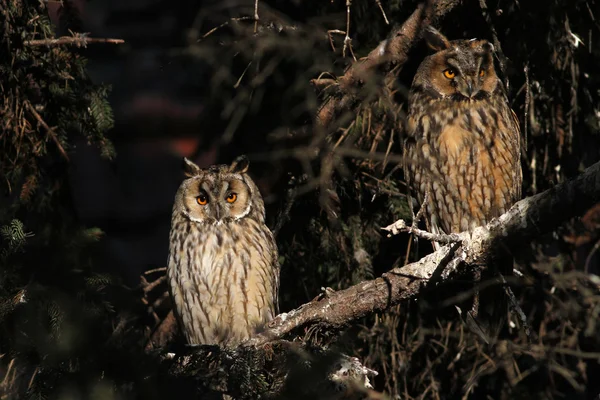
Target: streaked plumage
point(463, 145)
point(222, 269)
point(464, 148)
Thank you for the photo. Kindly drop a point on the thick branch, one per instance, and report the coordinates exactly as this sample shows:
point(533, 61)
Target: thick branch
point(524, 221)
point(392, 52)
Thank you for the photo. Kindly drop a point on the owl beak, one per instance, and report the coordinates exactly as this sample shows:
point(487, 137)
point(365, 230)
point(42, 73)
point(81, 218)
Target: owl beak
point(470, 89)
point(217, 213)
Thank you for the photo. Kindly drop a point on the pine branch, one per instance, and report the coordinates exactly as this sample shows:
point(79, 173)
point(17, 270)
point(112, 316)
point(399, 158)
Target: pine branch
point(526, 220)
point(50, 131)
point(79, 40)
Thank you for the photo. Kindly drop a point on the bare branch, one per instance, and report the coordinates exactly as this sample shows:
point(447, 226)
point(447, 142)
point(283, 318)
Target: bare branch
point(79, 40)
point(339, 308)
point(400, 226)
point(525, 220)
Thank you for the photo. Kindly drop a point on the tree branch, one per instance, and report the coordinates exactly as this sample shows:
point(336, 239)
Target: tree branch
point(392, 52)
point(400, 226)
point(527, 219)
point(50, 131)
point(79, 40)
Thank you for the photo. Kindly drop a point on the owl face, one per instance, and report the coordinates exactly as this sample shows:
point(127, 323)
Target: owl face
point(462, 70)
point(219, 194)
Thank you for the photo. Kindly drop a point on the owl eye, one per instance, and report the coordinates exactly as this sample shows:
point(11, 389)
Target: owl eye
point(231, 197)
point(482, 72)
point(449, 73)
point(202, 199)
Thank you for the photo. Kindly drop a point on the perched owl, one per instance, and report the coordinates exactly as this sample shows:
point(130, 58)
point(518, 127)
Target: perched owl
point(223, 270)
point(463, 146)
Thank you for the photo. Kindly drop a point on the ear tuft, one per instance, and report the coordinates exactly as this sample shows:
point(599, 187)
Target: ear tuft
point(240, 165)
point(487, 46)
point(435, 39)
point(189, 168)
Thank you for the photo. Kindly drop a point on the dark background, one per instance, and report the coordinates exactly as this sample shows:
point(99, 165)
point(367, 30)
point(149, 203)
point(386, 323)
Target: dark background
point(176, 93)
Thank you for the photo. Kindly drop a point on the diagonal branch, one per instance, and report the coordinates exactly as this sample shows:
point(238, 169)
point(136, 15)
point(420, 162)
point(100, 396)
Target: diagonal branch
point(50, 131)
point(526, 220)
point(392, 52)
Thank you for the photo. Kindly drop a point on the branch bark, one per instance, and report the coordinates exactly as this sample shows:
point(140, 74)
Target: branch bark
point(392, 52)
point(79, 40)
point(527, 219)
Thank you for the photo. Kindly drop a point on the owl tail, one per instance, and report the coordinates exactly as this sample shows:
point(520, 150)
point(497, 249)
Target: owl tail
point(490, 309)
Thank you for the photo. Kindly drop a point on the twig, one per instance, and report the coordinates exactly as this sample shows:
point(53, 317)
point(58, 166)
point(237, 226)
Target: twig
point(515, 304)
point(329, 34)
point(284, 215)
point(322, 83)
point(224, 24)
point(260, 27)
point(525, 220)
point(400, 226)
point(78, 40)
point(347, 39)
point(151, 271)
point(256, 16)
point(382, 12)
point(497, 46)
point(50, 131)
point(148, 287)
point(417, 218)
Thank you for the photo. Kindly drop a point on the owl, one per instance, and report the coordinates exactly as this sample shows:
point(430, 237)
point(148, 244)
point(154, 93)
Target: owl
point(223, 270)
point(463, 140)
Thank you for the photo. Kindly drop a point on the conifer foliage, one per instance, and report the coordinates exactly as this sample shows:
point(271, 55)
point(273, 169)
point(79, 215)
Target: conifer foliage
point(47, 98)
point(53, 308)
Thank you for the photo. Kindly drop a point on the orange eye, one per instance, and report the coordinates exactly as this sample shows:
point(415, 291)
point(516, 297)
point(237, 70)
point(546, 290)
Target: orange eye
point(482, 72)
point(231, 197)
point(202, 200)
point(449, 73)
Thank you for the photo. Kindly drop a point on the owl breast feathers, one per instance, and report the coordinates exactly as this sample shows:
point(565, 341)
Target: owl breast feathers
point(463, 146)
point(222, 269)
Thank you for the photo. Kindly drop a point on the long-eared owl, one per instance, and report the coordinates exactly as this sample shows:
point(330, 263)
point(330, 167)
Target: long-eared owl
point(463, 145)
point(223, 269)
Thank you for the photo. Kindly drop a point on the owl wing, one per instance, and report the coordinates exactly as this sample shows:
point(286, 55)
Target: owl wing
point(276, 279)
point(409, 162)
point(413, 169)
point(517, 155)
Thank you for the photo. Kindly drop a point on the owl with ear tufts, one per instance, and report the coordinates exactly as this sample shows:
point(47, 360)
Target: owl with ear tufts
point(223, 270)
point(463, 143)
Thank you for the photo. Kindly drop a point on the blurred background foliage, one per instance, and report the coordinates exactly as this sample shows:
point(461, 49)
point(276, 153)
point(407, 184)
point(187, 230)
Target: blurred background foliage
point(88, 176)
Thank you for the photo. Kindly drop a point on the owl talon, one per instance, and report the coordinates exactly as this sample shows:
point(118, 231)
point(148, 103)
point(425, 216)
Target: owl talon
point(401, 226)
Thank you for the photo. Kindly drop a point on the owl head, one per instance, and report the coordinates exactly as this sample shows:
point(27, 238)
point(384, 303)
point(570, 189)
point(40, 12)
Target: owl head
point(219, 194)
point(459, 69)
